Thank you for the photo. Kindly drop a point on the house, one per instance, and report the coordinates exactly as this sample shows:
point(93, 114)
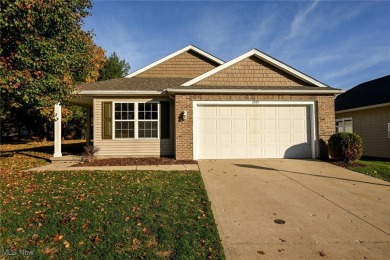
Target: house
point(192, 105)
point(365, 110)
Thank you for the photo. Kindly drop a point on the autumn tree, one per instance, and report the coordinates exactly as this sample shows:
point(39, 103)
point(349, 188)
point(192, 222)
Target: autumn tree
point(114, 68)
point(44, 54)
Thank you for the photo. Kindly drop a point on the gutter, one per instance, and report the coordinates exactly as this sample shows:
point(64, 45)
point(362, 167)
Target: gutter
point(363, 108)
point(119, 92)
point(252, 91)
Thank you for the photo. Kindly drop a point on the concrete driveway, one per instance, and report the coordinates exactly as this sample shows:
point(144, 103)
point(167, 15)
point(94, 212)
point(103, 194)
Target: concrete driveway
point(329, 212)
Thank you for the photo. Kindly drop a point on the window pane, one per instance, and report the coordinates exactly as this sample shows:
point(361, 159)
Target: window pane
point(154, 133)
point(117, 107)
point(154, 115)
point(154, 125)
point(131, 126)
point(154, 106)
point(141, 125)
point(148, 133)
point(124, 115)
point(141, 107)
point(118, 134)
point(141, 115)
point(125, 134)
point(131, 133)
point(148, 115)
point(148, 107)
point(141, 134)
point(117, 115)
point(124, 106)
point(130, 115)
point(131, 107)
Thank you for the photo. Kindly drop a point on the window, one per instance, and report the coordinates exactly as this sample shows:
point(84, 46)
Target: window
point(136, 120)
point(388, 130)
point(124, 120)
point(147, 120)
point(344, 125)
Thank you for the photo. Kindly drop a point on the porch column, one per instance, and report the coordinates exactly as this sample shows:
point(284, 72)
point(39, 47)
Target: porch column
point(57, 130)
point(88, 127)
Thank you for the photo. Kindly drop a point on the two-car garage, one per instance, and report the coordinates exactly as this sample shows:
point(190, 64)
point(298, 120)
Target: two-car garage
point(237, 130)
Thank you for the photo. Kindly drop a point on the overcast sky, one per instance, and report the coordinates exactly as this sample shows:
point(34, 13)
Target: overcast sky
point(341, 43)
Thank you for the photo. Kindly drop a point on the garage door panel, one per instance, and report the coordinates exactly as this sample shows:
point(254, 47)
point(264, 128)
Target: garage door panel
point(225, 138)
point(225, 124)
point(253, 132)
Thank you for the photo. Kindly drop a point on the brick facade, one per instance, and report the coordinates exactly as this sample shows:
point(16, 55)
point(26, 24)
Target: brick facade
point(184, 129)
point(185, 65)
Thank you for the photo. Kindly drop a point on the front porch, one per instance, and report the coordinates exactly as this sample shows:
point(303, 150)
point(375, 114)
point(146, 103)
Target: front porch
point(59, 155)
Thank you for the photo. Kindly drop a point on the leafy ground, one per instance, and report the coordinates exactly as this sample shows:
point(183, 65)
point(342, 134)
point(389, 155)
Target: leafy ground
point(102, 214)
point(373, 167)
point(376, 167)
point(23, 155)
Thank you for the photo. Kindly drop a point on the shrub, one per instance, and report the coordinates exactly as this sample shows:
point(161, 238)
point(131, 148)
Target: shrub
point(89, 153)
point(347, 147)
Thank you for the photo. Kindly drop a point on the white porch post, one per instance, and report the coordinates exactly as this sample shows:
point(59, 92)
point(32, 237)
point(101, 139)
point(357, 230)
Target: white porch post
point(88, 127)
point(57, 130)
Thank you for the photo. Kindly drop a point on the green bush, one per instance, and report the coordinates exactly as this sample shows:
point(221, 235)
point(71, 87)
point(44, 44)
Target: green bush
point(347, 147)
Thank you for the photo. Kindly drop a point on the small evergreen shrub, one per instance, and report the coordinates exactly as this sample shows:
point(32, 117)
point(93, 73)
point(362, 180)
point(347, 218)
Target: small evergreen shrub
point(347, 147)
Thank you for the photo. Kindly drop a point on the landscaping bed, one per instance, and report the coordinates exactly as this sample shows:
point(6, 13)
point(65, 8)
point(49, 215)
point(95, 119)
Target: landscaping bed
point(135, 161)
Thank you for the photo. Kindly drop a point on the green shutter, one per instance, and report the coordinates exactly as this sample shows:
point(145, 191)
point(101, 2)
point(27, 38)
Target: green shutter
point(107, 120)
point(165, 120)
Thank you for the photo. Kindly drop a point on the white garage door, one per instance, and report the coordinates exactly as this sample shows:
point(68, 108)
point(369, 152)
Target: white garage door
point(227, 132)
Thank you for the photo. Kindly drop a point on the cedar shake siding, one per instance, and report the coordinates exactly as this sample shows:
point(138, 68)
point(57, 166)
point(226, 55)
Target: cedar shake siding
point(184, 129)
point(185, 65)
point(251, 72)
point(372, 126)
point(131, 147)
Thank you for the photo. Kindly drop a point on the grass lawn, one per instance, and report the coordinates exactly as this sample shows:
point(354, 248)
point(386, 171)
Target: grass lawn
point(103, 214)
point(373, 167)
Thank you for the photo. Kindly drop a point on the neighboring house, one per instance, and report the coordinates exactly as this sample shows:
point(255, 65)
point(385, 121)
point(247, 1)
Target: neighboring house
point(192, 105)
point(365, 110)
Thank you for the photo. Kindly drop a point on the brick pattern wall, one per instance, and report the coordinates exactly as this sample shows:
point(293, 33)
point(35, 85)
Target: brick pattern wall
point(184, 129)
point(251, 72)
point(185, 65)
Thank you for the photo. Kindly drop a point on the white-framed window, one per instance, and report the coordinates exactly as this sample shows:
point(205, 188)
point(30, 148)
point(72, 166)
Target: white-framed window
point(388, 130)
point(344, 125)
point(136, 120)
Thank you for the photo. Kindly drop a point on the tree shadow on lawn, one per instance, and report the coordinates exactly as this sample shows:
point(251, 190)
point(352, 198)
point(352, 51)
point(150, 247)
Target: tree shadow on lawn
point(70, 148)
point(308, 174)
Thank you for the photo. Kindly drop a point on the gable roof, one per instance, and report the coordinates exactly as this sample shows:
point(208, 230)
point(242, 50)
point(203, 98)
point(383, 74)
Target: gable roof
point(183, 50)
point(370, 93)
point(262, 56)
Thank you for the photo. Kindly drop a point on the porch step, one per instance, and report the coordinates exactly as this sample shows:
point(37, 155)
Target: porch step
point(66, 158)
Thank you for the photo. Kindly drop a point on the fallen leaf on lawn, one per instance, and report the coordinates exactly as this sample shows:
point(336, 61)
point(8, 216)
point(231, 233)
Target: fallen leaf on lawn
point(49, 251)
point(66, 244)
point(57, 237)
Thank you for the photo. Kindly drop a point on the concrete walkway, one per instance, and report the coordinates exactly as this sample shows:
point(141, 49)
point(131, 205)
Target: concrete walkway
point(329, 212)
point(66, 166)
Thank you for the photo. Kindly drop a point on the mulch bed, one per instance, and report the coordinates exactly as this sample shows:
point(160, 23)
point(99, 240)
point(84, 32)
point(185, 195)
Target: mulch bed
point(135, 161)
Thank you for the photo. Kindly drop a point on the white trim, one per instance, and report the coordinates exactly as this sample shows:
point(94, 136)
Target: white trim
point(310, 104)
point(57, 130)
point(135, 120)
point(185, 49)
point(252, 91)
point(263, 57)
point(119, 92)
point(363, 108)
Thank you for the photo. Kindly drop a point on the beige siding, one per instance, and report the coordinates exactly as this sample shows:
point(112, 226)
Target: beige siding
point(185, 65)
point(131, 147)
point(371, 125)
point(251, 72)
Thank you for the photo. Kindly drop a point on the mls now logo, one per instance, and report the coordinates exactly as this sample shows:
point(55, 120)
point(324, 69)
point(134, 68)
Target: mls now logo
point(13, 252)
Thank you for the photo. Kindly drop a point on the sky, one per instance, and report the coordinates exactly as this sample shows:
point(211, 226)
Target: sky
point(340, 43)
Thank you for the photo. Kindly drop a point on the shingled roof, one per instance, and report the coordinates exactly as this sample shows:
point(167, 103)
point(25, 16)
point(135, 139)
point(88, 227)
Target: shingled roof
point(370, 93)
point(135, 84)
